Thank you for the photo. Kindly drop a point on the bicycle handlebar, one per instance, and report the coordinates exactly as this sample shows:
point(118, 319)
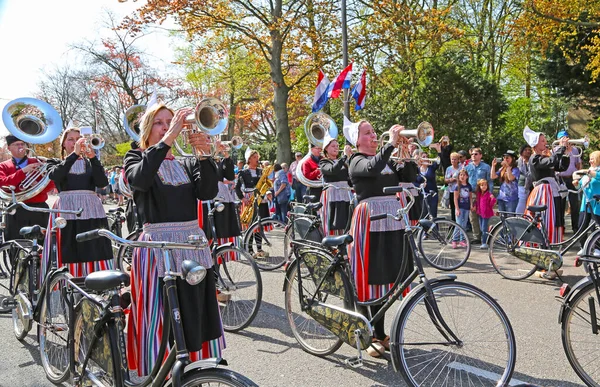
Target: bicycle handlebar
point(14, 206)
point(200, 243)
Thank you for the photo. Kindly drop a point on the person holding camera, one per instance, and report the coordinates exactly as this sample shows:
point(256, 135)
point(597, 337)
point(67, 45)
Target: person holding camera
point(508, 196)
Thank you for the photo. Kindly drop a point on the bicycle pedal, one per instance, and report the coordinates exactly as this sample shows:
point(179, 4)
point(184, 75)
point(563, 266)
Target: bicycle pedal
point(354, 361)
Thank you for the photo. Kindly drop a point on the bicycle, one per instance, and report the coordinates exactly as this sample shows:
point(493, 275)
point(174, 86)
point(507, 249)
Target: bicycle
point(116, 218)
point(96, 341)
point(578, 317)
point(321, 306)
point(238, 280)
point(512, 242)
point(268, 236)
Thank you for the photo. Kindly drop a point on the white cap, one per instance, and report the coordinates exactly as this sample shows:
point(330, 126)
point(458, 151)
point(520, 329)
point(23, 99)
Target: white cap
point(247, 153)
point(350, 131)
point(71, 124)
point(531, 137)
point(327, 140)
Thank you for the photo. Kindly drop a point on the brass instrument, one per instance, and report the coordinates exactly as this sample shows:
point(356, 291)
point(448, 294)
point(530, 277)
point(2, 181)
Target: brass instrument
point(577, 143)
point(34, 122)
point(315, 127)
point(423, 134)
point(210, 117)
point(124, 186)
point(92, 140)
point(262, 186)
point(131, 121)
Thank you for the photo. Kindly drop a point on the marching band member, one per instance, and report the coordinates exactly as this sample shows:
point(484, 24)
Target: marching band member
point(76, 177)
point(310, 170)
point(375, 255)
point(248, 178)
point(165, 191)
point(336, 200)
point(543, 167)
point(13, 172)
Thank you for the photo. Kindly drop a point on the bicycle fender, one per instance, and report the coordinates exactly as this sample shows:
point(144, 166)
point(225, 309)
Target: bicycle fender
point(413, 293)
point(494, 227)
point(566, 301)
point(288, 271)
point(38, 307)
point(212, 362)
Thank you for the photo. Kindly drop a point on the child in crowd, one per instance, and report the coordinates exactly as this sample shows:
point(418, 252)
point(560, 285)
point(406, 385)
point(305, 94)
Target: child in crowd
point(484, 206)
point(462, 203)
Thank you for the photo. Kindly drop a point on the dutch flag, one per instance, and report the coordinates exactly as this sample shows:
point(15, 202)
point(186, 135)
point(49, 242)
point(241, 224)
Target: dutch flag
point(321, 96)
point(359, 92)
point(342, 81)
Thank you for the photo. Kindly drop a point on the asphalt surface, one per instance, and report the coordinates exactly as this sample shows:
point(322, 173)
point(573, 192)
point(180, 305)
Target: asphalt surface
point(267, 352)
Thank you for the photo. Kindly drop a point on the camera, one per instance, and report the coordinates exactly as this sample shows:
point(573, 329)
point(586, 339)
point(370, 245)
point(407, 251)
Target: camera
point(499, 160)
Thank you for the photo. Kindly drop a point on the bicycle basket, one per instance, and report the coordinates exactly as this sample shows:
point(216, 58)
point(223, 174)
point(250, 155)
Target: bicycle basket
point(317, 264)
point(303, 229)
point(519, 229)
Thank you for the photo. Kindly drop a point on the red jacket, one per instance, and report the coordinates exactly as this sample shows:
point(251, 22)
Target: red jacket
point(10, 175)
point(310, 169)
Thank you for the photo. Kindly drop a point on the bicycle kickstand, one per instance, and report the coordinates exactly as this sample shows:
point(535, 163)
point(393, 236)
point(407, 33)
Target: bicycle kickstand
point(356, 361)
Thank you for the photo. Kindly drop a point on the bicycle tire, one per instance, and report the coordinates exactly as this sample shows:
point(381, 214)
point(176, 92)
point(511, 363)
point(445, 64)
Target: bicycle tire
point(54, 318)
point(576, 331)
point(239, 287)
point(315, 339)
point(214, 377)
point(22, 325)
point(435, 245)
point(592, 244)
point(418, 370)
point(9, 267)
point(506, 264)
point(125, 253)
point(269, 256)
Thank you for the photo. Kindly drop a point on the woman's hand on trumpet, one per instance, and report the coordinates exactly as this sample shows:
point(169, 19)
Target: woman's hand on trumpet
point(176, 125)
point(348, 151)
point(82, 149)
point(200, 142)
point(395, 138)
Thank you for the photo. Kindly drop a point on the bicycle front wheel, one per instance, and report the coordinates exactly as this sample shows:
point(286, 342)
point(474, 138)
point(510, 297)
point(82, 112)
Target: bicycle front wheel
point(214, 377)
point(266, 243)
point(54, 329)
point(485, 354)
point(592, 244)
point(501, 241)
point(436, 245)
point(125, 253)
point(580, 343)
point(239, 288)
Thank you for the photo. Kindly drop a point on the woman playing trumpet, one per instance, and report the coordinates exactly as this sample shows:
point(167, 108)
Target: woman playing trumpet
point(376, 253)
point(336, 198)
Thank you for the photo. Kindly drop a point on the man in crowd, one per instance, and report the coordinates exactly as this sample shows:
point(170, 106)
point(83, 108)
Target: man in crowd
point(298, 187)
point(477, 169)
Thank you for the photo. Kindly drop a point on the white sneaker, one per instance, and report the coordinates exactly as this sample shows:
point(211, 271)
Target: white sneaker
point(581, 252)
point(483, 246)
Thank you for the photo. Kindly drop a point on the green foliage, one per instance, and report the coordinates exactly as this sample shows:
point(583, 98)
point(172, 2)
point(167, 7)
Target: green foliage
point(122, 148)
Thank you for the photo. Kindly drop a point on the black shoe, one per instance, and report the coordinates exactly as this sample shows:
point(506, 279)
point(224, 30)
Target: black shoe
point(475, 241)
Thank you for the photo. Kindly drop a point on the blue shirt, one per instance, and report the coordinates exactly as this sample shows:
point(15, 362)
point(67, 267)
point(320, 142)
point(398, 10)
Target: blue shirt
point(593, 188)
point(464, 194)
point(281, 179)
point(431, 185)
point(509, 192)
point(481, 171)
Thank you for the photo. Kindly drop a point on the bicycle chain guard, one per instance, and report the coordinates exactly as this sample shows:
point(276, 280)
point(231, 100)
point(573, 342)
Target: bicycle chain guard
point(543, 259)
point(343, 323)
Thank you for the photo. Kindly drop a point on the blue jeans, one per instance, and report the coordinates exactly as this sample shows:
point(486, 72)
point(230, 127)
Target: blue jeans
point(281, 210)
point(483, 226)
point(432, 201)
point(461, 219)
point(507, 206)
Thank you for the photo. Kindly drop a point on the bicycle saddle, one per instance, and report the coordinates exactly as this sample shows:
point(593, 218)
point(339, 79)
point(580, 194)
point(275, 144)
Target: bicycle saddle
point(106, 279)
point(113, 210)
point(33, 232)
point(314, 206)
point(309, 198)
point(537, 208)
point(335, 241)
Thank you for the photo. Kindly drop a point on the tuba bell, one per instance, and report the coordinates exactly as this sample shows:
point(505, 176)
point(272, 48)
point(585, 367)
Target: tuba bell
point(34, 122)
point(131, 121)
point(316, 126)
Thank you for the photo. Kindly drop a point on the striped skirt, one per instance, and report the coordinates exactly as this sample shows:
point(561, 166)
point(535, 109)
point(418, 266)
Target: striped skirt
point(81, 258)
point(376, 253)
point(198, 304)
point(546, 194)
point(336, 208)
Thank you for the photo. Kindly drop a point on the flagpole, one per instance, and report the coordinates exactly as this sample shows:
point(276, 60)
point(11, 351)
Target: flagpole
point(345, 56)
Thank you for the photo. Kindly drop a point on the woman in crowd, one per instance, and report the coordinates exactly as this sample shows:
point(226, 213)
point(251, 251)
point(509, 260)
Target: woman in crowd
point(282, 191)
point(524, 184)
point(76, 177)
point(336, 199)
point(376, 253)
point(508, 196)
point(165, 191)
point(451, 180)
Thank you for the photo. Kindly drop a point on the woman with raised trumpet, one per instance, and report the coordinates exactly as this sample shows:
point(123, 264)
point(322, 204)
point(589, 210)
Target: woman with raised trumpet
point(76, 177)
point(543, 167)
point(375, 255)
point(335, 198)
point(166, 191)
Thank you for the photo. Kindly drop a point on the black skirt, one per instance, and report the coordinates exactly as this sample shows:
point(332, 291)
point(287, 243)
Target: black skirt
point(386, 256)
point(72, 251)
point(23, 218)
point(263, 210)
point(338, 215)
point(226, 222)
point(199, 309)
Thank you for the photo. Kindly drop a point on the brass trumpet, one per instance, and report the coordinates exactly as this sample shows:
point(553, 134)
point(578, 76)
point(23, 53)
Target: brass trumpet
point(423, 134)
point(577, 143)
point(92, 140)
point(210, 117)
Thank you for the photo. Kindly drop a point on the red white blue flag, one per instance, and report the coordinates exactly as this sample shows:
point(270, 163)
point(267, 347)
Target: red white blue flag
point(342, 81)
point(359, 92)
point(321, 92)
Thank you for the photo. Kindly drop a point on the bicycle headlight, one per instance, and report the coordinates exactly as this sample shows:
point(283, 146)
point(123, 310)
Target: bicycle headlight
point(219, 207)
point(193, 272)
point(60, 222)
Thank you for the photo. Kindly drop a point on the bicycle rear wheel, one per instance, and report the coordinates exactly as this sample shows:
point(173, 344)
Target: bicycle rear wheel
point(125, 253)
point(592, 244)
point(501, 240)
point(267, 247)
point(486, 355)
point(581, 345)
point(436, 245)
point(54, 329)
point(239, 287)
point(214, 377)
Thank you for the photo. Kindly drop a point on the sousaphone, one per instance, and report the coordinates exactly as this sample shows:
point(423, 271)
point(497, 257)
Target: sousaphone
point(316, 126)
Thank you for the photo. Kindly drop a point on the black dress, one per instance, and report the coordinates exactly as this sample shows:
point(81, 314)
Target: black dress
point(336, 200)
point(76, 180)
point(248, 179)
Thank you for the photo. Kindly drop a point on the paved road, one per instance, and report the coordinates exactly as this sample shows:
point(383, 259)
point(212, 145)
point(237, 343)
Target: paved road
point(267, 353)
